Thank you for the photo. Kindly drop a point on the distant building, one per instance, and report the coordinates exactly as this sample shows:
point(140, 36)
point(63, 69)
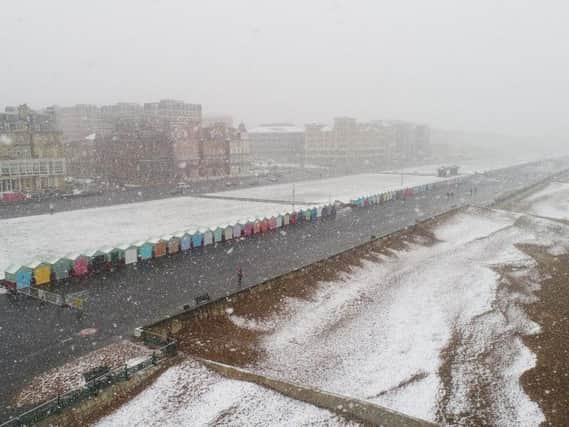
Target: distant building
point(152, 151)
point(376, 144)
point(80, 157)
point(174, 111)
point(136, 152)
point(31, 150)
point(211, 119)
point(279, 142)
point(78, 121)
point(240, 153)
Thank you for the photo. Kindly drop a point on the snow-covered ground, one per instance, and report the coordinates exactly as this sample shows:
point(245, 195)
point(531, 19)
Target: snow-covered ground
point(342, 188)
point(551, 202)
point(379, 333)
point(191, 395)
point(467, 166)
point(45, 237)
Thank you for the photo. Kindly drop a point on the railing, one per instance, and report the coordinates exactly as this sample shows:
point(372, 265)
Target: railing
point(32, 167)
point(90, 389)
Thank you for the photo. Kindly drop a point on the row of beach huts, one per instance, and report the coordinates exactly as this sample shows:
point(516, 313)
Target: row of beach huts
point(81, 265)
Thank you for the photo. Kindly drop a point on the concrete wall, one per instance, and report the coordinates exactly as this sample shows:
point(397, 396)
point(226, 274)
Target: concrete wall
point(348, 407)
point(86, 411)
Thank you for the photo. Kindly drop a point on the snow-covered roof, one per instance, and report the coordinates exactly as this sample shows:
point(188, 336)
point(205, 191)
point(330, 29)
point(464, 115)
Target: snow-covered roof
point(35, 264)
point(126, 246)
point(13, 268)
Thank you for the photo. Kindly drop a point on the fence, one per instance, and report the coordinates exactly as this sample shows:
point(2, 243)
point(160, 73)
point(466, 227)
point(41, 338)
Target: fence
point(75, 300)
point(90, 389)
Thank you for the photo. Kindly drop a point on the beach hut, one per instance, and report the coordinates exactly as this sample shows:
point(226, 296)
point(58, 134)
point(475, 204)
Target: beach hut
point(237, 230)
point(18, 276)
point(61, 268)
point(248, 229)
point(145, 250)
point(172, 244)
point(41, 272)
point(264, 225)
point(308, 215)
point(228, 232)
point(80, 264)
point(115, 256)
point(257, 226)
point(218, 234)
point(300, 216)
point(197, 238)
point(313, 214)
point(286, 219)
point(97, 259)
point(159, 246)
point(185, 238)
point(207, 236)
point(272, 223)
point(129, 253)
point(318, 211)
point(280, 220)
point(293, 217)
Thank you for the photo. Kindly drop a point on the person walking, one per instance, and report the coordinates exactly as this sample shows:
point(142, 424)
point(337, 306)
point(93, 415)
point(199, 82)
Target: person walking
point(239, 276)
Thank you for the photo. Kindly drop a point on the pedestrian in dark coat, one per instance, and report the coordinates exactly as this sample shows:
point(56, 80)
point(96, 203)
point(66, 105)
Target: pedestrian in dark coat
point(239, 276)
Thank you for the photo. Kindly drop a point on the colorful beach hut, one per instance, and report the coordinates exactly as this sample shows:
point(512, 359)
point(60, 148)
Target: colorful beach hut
point(293, 217)
point(80, 264)
point(61, 268)
point(272, 223)
point(129, 254)
point(280, 220)
point(159, 246)
point(313, 214)
point(308, 214)
point(218, 234)
point(145, 250)
point(264, 225)
point(237, 230)
point(207, 236)
point(286, 219)
point(41, 272)
point(185, 238)
point(18, 276)
point(115, 256)
point(248, 229)
point(257, 226)
point(172, 244)
point(97, 259)
point(228, 232)
point(198, 238)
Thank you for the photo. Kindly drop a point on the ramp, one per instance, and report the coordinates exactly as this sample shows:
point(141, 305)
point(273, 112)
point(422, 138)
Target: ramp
point(349, 407)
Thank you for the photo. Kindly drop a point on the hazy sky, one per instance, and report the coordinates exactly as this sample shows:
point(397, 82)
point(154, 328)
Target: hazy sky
point(486, 64)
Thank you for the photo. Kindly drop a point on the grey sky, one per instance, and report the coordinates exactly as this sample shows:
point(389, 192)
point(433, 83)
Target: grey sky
point(489, 65)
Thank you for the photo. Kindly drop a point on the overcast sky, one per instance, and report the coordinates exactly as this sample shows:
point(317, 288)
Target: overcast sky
point(487, 65)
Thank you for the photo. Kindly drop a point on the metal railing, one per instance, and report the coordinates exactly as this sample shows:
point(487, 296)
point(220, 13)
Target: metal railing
point(90, 389)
